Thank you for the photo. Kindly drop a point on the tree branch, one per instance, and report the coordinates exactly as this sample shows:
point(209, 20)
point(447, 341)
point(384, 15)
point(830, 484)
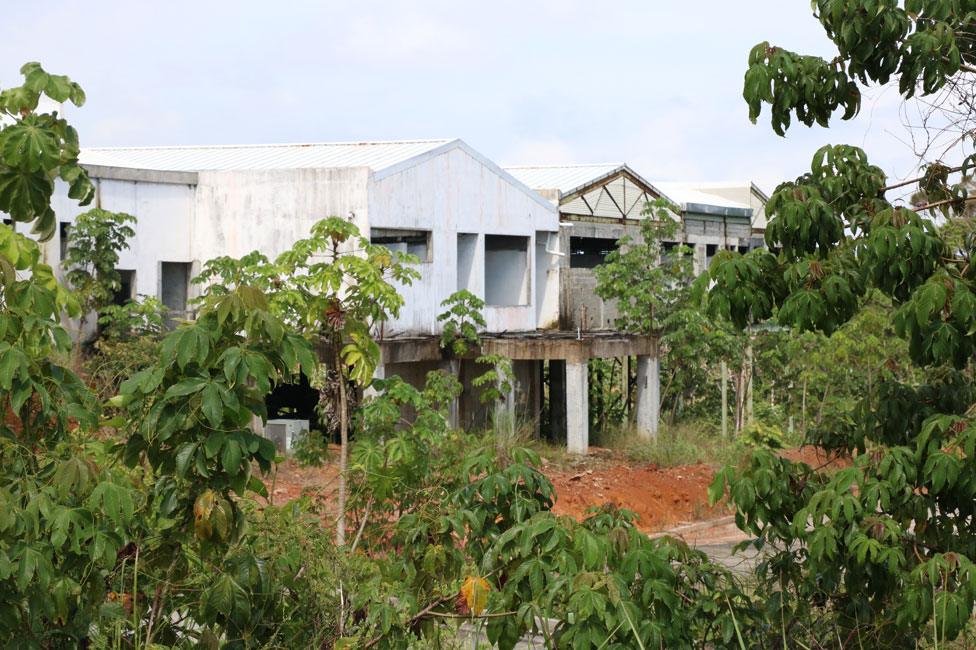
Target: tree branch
point(910, 181)
point(938, 204)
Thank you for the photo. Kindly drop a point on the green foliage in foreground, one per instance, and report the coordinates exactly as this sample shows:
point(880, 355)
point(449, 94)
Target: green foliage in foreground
point(161, 538)
point(881, 552)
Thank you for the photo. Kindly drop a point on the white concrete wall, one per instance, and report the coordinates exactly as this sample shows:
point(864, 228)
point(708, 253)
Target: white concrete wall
point(163, 230)
point(241, 211)
point(445, 192)
point(546, 280)
point(449, 192)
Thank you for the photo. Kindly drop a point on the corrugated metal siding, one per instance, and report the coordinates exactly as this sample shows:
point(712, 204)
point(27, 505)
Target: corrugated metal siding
point(374, 155)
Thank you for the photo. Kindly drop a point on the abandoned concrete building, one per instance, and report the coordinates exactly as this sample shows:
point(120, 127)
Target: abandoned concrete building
point(525, 240)
point(600, 204)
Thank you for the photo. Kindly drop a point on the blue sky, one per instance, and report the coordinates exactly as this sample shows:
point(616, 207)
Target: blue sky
point(653, 83)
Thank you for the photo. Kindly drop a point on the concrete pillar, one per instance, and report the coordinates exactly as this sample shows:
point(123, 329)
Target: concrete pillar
point(505, 410)
point(538, 388)
point(648, 397)
point(577, 407)
point(625, 382)
point(454, 407)
point(699, 260)
point(557, 400)
point(379, 373)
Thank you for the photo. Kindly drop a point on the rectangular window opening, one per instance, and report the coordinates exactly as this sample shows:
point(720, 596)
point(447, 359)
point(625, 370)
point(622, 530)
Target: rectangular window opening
point(413, 242)
point(63, 229)
point(127, 287)
point(589, 252)
point(506, 270)
point(174, 286)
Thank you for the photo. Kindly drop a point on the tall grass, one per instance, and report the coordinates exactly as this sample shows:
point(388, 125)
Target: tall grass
point(686, 443)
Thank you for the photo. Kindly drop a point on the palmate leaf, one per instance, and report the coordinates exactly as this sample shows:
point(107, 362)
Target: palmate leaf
point(24, 195)
point(30, 147)
point(227, 598)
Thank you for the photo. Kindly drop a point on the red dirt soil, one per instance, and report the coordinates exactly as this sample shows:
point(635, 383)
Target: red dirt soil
point(663, 498)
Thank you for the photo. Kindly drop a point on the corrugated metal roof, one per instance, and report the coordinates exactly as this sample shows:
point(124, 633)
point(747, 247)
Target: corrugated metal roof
point(374, 155)
point(686, 193)
point(564, 178)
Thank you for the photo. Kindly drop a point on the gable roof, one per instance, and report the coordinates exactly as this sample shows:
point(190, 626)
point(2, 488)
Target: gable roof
point(607, 190)
point(569, 179)
point(323, 155)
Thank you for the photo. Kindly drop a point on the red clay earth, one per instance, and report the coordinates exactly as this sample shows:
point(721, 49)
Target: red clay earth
point(663, 498)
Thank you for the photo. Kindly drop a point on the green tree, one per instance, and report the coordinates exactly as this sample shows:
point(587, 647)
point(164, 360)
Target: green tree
point(91, 549)
point(461, 323)
point(335, 288)
point(647, 282)
point(95, 240)
point(128, 342)
point(651, 286)
point(881, 551)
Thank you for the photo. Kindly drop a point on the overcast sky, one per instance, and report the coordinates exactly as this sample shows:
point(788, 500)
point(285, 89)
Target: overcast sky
point(654, 83)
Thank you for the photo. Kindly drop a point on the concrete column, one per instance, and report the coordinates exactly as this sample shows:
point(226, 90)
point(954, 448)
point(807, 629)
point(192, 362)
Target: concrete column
point(648, 397)
point(454, 407)
point(505, 409)
point(379, 373)
point(577, 407)
point(625, 382)
point(557, 400)
point(699, 258)
point(536, 397)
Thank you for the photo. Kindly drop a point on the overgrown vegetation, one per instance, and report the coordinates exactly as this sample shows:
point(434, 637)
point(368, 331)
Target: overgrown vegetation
point(880, 553)
point(158, 535)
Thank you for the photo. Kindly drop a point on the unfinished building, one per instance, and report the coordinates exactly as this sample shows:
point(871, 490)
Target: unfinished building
point(600, 204)
point(473, 225)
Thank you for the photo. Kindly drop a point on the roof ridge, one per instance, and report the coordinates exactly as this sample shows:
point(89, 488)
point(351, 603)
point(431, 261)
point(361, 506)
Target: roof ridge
point(178, 147)
point(567, 166)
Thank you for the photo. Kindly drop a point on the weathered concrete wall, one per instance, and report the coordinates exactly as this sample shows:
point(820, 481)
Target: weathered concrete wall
point(547, 280)
point(163, 233)
point(451, 192)
point(577, 287)
point(268, 210)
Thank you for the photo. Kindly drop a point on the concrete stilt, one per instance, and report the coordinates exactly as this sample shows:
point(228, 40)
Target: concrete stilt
point(454, 407)
point(379, 373)
point(557, 399)
point(505, 408)
point(577, 407)
point(648, 397)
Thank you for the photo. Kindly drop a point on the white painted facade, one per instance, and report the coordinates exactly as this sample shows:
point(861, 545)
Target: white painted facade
point(192, 215)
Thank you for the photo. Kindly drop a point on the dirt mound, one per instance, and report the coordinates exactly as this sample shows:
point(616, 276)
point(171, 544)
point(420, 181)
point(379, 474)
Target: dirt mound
point(661, 497)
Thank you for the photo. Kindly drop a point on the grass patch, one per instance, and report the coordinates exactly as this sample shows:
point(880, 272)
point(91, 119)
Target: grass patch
point(686, 443)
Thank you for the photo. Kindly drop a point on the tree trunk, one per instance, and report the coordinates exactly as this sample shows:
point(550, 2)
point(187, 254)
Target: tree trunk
point(343, 449)
point(803, 408)
point(725, 399)
point(741, 388)
point(823, 402)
